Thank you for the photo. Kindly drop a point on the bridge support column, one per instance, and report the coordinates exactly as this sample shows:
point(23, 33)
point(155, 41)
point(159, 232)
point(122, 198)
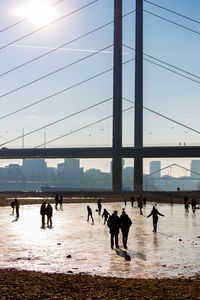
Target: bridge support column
point(138, 163)
point(117, 100)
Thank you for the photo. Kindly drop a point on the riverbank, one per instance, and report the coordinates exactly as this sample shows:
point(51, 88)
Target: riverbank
point(92, 197)
point(35, 285)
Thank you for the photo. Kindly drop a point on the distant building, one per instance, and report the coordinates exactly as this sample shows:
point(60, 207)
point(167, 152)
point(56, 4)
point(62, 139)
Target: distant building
point(34, 169)
point(155, 169)
point(70, 165)
point(195, 168)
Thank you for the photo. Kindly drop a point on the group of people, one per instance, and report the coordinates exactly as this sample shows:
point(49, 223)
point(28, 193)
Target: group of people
point(59, 200)
point(115, 223)
point(46, 210)
point(193, 204)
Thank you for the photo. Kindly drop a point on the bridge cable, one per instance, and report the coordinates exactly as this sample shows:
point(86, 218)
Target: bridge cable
point(170, 65)
point(61, 46)
point(81, 128)
point(54, 72)
point(92, 106)
point(59, 120)
point(172, 22)
point(172, 11)
point(45, 26)
point(165, 117)
point(61, 91)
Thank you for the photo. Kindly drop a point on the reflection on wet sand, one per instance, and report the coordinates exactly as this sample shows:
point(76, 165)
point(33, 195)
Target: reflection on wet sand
point(75, 245)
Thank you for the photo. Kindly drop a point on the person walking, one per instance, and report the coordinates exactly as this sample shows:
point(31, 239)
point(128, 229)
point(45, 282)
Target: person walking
point(16, 202)
point(154, 213)
point(89, 214)
point(186, 200)
point(56, 201)
point(105, 215)
point(12, 204)
point(132, 200)
point(61, 202)
point(114, 225)
point(49, 212)
point(194, 203)
point(140, 205)
point(125, 224)
point(99, 205)
point(43, 213)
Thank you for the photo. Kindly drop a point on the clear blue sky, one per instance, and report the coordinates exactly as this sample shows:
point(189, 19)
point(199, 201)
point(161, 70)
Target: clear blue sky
point(164, 92)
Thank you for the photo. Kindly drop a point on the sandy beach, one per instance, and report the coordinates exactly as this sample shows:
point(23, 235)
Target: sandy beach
point(34, 285)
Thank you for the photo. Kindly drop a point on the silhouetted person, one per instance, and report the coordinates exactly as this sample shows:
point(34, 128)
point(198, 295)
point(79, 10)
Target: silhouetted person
point(49, 212)
point(194, 203)
point(89, 213)
point(144, 201)
point(154, 213)
point(99, 205)
point(105, 215)
point(43, 212)
point(12, 204)
point(132, 200)
point(125, 225)
point(171, 199)
point(186, 200)
point(140, 205)
point(61, 201)
point(56, 201)
point(114, 225)
point(17, 207)
point(187, 207)
point(125, 201)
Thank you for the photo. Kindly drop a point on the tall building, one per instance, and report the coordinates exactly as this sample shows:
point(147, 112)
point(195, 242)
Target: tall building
point(34, 165)
point(155, 169)
point(70, 165)
point(195, 168)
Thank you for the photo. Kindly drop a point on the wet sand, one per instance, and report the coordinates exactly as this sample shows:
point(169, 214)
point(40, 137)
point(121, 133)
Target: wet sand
point(16, 284)
point(34, 285)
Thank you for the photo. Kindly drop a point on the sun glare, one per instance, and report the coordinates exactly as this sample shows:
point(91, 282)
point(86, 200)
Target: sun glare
point(38, 13)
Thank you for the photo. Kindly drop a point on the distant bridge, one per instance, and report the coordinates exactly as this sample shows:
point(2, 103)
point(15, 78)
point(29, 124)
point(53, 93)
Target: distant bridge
point(101, 152)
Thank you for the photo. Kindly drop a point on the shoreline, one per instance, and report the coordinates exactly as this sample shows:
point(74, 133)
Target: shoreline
point(28, 198)
point(15, 284)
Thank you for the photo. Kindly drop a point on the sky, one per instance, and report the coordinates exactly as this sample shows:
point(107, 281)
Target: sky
point(164, 92)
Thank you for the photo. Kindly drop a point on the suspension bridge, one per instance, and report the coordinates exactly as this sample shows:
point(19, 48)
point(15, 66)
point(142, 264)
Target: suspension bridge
point(116, 151)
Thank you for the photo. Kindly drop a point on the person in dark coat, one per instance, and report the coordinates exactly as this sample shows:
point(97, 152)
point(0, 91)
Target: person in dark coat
point(12, 204)
point(43, 213)
point(154, 213)
point(132, 200)
point(99, 205)
point(186, 202)
point(61, 201)
point(56, 201)
point(89, 214)
point(194, 203)
point(49, 212)
point(140, 205)
point(105, 215)
point(125, 225)
point(17, 207)
point(114, 225)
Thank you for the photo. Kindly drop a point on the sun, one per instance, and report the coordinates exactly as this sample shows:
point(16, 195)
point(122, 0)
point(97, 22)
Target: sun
point(38, 13)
